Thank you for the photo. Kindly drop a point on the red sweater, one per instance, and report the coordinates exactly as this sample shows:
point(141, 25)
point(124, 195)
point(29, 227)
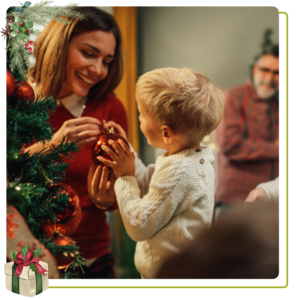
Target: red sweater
point(92, 234)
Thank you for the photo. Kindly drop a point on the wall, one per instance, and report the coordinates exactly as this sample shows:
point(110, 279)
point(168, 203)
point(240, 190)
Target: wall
point(220, 42)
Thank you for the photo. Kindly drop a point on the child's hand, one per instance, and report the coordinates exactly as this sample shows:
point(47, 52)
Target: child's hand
point(123, 159)
point(117, 128)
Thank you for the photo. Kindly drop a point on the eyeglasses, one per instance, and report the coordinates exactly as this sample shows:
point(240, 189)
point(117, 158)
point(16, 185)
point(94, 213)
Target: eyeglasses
point(266, 70)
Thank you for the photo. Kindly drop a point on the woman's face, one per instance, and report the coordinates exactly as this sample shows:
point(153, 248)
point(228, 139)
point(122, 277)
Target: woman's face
point(89, 56)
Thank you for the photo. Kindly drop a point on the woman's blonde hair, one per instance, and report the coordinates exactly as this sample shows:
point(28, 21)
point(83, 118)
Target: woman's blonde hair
point(51, 50)
point(182, 99)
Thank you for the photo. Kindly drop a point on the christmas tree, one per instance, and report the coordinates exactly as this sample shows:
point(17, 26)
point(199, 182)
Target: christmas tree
point(266, 43)
point(36, 200)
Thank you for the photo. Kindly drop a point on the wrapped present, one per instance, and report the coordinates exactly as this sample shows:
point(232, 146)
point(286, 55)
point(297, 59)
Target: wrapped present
point(19, 234)
point(29, 283)
point(26, 275)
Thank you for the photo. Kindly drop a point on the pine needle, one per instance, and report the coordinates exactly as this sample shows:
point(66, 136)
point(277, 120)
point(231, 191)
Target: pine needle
point(41, 13)
point(20, 58)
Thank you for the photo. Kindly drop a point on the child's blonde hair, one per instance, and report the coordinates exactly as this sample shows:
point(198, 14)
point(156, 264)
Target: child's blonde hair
point(182, 99)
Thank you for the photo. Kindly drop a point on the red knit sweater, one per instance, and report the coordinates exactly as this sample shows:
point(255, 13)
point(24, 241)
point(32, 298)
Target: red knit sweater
point(92, 234)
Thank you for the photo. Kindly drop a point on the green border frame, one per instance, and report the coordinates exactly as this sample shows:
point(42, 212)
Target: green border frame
point(287, 205)
point(287, 150)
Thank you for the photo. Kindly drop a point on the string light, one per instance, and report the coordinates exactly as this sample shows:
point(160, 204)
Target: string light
point(206, 138)
point(212, 146)
point(18, 188)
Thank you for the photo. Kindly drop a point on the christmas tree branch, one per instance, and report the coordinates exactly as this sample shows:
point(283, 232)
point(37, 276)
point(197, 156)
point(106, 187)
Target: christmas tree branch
point(41, 167)
point(69, 275)
point(62, 151)
point(267, 42)
point(77, 262)
point(28, 127)
point(28, 122)
point(42, 3)
point(40, 13)
point(13, 59)
point(54, 249)
point(20, 59)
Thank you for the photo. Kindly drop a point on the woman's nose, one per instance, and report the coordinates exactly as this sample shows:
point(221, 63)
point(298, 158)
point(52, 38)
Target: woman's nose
point(96, 69)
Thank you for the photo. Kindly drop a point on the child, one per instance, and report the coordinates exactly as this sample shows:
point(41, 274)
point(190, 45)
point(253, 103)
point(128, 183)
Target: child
point(178, 108)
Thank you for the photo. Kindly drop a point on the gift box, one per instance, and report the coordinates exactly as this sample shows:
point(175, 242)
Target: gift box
point(29, 283)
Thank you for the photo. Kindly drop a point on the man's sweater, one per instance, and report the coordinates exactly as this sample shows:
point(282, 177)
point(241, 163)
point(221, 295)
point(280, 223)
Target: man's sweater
point(271, 188)
point(178, 202)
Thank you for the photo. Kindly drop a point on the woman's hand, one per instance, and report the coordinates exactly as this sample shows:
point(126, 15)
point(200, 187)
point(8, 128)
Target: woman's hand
point(123, 158)
point(117, 128)
point(81, 130)
point(101, 186)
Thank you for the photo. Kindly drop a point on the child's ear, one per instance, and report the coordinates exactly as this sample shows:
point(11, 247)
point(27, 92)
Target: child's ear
point(167, 134)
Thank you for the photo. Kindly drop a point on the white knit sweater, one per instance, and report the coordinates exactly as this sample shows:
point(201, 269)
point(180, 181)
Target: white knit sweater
point(178, 202)
point(271, 188)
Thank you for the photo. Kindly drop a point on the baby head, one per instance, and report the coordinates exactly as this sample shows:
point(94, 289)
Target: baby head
point(177, 106)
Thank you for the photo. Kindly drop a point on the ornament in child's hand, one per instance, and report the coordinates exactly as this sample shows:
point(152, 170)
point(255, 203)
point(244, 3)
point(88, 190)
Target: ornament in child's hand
point(103, 139)
point(10, 83)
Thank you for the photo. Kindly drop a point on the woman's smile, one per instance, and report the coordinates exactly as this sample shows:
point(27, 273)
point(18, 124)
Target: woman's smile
point(85, 79)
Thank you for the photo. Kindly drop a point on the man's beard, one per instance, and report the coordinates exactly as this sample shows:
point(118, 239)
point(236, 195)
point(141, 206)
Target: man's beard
point(262, 93)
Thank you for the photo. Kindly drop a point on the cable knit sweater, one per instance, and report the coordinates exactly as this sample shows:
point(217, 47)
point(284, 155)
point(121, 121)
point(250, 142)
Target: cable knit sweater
point(271, 188)
point(178, 200)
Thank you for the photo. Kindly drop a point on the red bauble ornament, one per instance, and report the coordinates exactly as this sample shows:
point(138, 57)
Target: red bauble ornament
point(67, 220)
point(10, 83)
point(65, 259)
point(23, 91)
point(103, 139)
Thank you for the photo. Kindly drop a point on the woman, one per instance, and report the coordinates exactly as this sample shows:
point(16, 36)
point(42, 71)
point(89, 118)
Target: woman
point(80, 64)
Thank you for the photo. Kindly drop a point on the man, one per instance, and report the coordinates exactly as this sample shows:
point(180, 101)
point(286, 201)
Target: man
point(248, 133)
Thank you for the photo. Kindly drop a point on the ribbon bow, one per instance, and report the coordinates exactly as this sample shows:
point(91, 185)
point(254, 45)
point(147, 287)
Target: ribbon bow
point(30, 259)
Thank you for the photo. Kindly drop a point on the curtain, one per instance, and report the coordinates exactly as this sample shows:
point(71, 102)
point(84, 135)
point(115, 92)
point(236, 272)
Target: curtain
point(122, 246)
point(126, 19)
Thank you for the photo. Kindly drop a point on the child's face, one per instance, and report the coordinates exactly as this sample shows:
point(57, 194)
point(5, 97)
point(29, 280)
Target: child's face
point(149, 127)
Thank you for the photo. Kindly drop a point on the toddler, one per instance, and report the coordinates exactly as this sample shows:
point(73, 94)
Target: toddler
point(164, 205)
